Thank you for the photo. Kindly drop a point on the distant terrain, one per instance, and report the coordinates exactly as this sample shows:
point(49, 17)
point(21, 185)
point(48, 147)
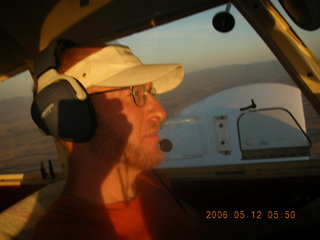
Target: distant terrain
point(22, 147)
point(201, 84)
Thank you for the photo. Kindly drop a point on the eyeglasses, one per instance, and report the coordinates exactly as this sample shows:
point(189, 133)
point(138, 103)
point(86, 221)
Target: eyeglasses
point(138, 93)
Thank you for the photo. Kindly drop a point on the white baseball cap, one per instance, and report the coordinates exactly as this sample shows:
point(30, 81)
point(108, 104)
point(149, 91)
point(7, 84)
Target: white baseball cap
point(116, 66)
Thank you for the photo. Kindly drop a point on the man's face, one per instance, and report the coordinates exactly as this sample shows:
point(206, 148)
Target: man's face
point(126, 129)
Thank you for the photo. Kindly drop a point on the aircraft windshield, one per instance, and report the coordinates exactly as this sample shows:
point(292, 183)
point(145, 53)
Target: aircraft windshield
point(216, 61)
point(213, 62)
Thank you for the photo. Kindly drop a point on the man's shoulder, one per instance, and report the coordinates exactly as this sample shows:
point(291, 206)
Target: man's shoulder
point(67, 206)
point(73, 218)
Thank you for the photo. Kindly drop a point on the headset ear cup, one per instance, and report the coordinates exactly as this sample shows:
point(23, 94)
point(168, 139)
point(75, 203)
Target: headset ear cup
point(59, 112)
point(36, 117)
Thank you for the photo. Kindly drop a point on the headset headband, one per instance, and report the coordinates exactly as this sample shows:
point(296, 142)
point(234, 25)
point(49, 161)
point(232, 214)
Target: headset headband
point(50, 57)
point(61, 107)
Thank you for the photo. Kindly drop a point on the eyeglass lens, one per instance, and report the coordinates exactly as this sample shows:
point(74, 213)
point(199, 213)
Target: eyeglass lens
point(139, 95)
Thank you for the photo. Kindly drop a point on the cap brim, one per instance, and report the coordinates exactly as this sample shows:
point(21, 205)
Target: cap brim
point(165, 77)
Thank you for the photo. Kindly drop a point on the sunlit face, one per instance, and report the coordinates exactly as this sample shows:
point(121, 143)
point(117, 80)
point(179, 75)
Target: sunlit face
point(127, 130)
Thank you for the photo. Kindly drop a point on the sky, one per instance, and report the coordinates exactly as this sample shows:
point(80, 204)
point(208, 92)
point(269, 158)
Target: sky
point(194, 42)
point(191, 41)
point(20, 85)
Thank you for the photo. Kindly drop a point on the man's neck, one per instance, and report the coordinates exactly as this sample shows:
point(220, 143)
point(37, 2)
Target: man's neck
point(100, 185)
point(119, 185)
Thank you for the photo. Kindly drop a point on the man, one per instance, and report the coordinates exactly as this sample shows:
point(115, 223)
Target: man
point(111, 191)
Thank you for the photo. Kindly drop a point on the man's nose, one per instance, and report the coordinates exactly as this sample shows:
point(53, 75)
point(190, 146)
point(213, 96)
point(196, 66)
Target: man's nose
point(153, 106)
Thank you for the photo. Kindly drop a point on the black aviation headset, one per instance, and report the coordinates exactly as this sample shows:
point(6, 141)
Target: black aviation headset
point(62, 108)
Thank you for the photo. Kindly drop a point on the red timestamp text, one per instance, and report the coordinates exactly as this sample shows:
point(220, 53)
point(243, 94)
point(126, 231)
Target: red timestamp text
point(252, 214)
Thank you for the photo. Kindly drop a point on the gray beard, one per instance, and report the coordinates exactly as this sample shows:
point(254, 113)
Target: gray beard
point(108, 142)
point(137, 158)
